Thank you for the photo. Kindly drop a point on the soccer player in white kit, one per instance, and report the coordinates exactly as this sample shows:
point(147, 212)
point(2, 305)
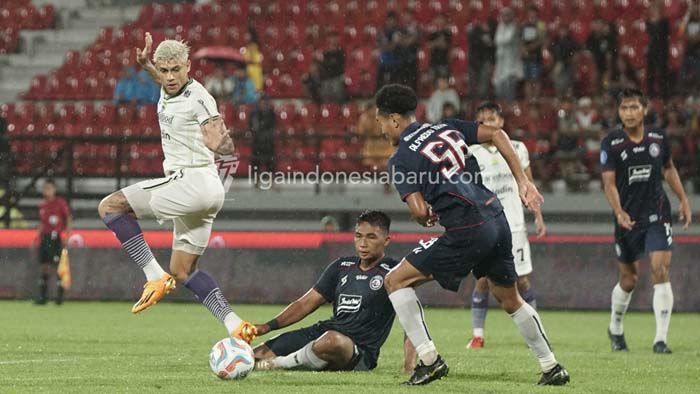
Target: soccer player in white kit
point(191, 193)
point(496, 176)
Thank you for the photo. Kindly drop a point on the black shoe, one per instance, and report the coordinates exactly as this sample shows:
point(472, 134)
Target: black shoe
point(59, 295)
point(617, 342)
point(662, 348)
point(557, 376)
point(424, 374)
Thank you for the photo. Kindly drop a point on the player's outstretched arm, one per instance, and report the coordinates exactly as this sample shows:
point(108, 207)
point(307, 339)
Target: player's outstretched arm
point(421, 211)
point(674, 181)
point(613, 197)
point(529, 194)
point(294, 312)
point(217, 137)
point(143, 57)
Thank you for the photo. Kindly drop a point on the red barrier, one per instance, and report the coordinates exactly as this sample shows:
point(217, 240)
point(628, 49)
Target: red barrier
point(272, 240)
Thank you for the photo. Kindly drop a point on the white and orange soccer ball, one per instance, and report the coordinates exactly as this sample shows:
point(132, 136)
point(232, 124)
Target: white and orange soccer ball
point(231, 358)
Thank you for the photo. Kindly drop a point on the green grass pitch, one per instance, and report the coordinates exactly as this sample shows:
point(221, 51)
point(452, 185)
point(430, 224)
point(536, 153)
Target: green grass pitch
point(102, 348)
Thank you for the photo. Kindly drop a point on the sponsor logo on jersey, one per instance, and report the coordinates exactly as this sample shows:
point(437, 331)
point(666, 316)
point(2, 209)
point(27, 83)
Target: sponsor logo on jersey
point(349, 303)
point(603, 157)
point(656, 135)
point(617, 141)
point(347, 263)
point(343, 280)
point(653, 218)
point(638, 149)
point(654, 150)
point(639, 173)
point(164, 118)
point(410, 136)
point(361, 277)
point(623, 155)
point(385, 266)
point(376, 282)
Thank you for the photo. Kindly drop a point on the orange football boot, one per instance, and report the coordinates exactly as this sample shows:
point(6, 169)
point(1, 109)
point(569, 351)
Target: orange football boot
point(153, 291)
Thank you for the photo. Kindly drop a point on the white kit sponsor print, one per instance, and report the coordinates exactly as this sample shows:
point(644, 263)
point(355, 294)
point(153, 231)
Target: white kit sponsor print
point(348, 303)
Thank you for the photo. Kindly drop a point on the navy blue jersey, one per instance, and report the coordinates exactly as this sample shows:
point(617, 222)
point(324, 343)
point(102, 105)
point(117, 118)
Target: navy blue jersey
point(639, 173)
point(361, 307)
point(435, 161)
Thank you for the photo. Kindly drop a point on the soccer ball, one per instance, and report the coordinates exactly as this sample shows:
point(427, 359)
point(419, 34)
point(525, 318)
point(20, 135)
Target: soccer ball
point(231, 358)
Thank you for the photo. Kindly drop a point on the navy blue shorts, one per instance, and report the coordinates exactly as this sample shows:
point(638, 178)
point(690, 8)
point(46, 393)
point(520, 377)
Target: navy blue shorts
point(485, 250)
point(289, 342)
point(631, 245)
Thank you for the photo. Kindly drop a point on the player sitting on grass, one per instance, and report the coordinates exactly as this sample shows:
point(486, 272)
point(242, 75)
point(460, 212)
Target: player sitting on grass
point(362, 313)
point(635, 160)
point(433, 169)
point(496, 176)
point(191, 193)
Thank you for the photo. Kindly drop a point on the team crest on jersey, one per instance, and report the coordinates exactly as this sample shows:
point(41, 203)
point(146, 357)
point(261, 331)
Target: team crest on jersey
point(376, 282)
point(187, 93)
point(654, 150)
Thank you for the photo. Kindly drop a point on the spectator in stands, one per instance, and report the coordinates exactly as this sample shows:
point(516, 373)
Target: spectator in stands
point(311, 81)
point(387, 40)
point(4, 153)
point(376, 149)
point(623, 75)
point(329, 224)
point(449, 111)
point(243, 89)
point(533, 35)
point(262, 128)
point(16, 218)
point(147, 91)
point(406, 52)
point(253, 57)
point(125, 90)
point(569, 151)
point(440, 42)
point(659, 31)
point(443, 94)
point(602, 45)
point(564, 48)
point(333, 71)
point(509, 66)
point(218, 85)
point(589, 125)
point(482, 55)
point(690, 71)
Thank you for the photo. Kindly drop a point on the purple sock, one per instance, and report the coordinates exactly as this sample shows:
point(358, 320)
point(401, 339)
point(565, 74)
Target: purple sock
point(129, 233)
point(208, 293)
point(529, 297)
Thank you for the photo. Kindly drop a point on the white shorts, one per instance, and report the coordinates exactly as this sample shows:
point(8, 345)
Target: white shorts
point(190, 197)
point(521, 253)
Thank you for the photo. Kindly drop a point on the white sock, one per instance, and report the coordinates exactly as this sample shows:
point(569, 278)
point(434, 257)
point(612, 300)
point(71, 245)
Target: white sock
point(232, 321)
point(153, 270)
point(410, 313)
point(478, 332)
point(619, 302)
point(530, 327)
point(663, 306)
point(304, 357)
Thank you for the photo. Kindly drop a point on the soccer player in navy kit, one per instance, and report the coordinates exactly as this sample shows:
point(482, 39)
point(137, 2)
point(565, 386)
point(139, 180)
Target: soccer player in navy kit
point(635, 160)
point(434, 173)
point(362, 313)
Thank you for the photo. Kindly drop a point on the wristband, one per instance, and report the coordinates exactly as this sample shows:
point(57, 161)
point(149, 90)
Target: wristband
point(273, 324)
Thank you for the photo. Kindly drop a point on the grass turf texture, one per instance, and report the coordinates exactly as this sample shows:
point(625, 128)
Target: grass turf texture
point(101, 347)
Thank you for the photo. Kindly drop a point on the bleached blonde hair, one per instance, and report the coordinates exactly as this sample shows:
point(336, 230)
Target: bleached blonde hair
point(171, 50)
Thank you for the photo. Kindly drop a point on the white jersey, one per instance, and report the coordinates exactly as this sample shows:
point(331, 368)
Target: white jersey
point(498, 178)
point(180, 117)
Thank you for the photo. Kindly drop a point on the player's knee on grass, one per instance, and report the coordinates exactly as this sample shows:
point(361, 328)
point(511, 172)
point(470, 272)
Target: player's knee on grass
point(114, 203)
point(334, 348)
point(508, 297)
point(482, 285)
point(262, 352)
point(523, 283)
